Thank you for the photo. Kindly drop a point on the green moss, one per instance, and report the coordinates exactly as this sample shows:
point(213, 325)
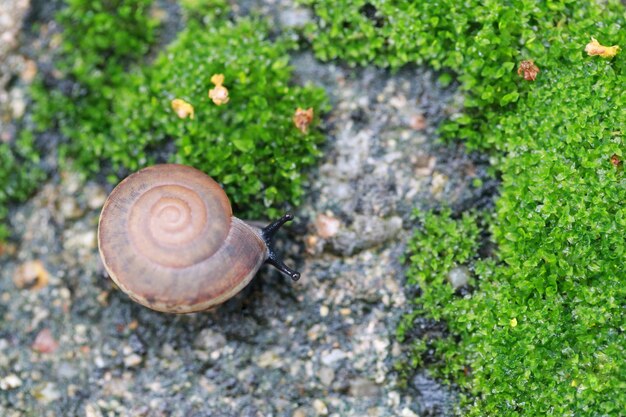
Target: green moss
point(101, 40)
point(543, 331)
point(437, 246)
point(19, 175)
point(120, 121)
point(559, 231)
point(250, 144)
point(204, 10)
point(481, 42)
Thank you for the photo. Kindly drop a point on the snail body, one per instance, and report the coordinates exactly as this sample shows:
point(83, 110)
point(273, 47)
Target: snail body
point(168, 239)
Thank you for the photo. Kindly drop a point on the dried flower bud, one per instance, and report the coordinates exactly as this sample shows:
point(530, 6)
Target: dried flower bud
point(615, 160)
point(528, 70)
point(182, 108)
point(594, 48)
point(219, 94)
point(303, 118)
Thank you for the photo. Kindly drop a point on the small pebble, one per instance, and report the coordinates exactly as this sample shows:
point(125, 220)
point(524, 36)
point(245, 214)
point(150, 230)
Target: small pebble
point(438, 184)
point(10, 381)
point(399, 102)
point(47, 394)
point(81, 240)
point(69, 208)
point(320, 407)
point(18, 103)
point(210, 340)
point(92, 410)
point(268, 359)
point(458, 277)
point(30, 71)
point(333, 356)
point(326, 375)
point(44, 342)
point(96, 196)
point(299, 412)
point(363, 387)
point(424, 165)
point(132, 360)
point(31, 274)
point(407, 412)
point(327, 226)
point(418, 122)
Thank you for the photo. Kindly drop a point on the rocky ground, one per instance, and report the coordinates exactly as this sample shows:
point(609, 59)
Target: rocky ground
point(72, 345)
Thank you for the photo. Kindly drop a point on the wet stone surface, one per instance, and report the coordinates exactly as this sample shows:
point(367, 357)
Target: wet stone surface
point(16, 70)
point(73, 345)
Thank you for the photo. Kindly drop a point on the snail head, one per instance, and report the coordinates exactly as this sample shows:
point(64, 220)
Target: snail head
point(268, 233)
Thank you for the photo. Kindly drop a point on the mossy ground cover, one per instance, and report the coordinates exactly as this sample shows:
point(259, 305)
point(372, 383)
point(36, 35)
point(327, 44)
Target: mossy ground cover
point(250, 144)
point(102, 38)
point(543, 331)
point(120, 117)
point(19, 175)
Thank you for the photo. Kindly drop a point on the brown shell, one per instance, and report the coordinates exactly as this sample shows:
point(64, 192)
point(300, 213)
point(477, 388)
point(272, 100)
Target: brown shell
point(168, 239)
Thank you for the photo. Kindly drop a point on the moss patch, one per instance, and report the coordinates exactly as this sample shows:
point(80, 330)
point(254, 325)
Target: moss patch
point(250, 144)
point(543, 331)
point(19, 175)
point(118, 120)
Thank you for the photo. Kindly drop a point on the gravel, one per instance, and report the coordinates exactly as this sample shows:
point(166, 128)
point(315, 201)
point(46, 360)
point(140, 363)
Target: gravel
point(16, 71)
point(73, 345)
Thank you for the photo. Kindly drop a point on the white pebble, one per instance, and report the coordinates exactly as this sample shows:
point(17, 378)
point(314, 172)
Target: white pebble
point(320, 407)
point(10, 382)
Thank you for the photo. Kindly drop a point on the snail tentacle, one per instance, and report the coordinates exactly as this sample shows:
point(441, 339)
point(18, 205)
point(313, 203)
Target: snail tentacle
point(268, 234)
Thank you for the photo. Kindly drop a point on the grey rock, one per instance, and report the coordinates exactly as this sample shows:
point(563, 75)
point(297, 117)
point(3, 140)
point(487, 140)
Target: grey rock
point(362, 387)
point(320, 407)
point(95, 196)
point(47, 393)
point(132, 360)
point(69, 208)
point(9, 382)
point(431, 398)
point(210, 340)
point(366, 232)
point(295, 17)
point(326, 375)
point(333, 356)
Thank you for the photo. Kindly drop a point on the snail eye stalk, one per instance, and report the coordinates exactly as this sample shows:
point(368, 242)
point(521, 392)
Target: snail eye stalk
point(268, 234)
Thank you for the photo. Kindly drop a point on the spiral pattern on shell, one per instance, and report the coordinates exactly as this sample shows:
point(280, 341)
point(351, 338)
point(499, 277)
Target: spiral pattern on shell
point(168, 239)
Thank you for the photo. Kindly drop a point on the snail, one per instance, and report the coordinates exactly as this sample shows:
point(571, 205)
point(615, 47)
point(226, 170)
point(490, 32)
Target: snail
point(168, 239)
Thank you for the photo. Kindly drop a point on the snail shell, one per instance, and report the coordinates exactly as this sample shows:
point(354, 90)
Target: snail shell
point(168, 239)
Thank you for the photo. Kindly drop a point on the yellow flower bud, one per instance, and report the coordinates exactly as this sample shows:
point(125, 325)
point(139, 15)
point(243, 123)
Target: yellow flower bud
point(594, 48)
point(182, 108)
point(219, 94)
point(217, 79)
